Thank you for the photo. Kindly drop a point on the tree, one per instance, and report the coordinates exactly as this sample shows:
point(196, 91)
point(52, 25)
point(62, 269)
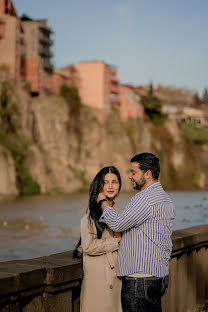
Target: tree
point(152, 105)
point(205, 95)
point(197, 100)
point(194, 133)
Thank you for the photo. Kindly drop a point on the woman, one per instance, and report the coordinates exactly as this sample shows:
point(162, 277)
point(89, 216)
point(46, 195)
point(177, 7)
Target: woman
point(100, 286)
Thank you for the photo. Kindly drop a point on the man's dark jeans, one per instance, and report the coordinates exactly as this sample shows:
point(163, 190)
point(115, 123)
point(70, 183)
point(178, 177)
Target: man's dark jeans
point(143, 294)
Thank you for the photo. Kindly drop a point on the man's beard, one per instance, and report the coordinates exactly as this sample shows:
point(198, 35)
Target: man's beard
point(140, 184)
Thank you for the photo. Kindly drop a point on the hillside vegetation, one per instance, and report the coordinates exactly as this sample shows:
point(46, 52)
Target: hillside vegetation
point(56, 145)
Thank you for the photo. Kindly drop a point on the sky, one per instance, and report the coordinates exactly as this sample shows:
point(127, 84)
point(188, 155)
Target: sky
point(159, 41)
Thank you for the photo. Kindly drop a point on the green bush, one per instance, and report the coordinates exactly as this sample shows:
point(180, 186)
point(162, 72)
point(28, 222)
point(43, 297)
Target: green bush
point(172, 172)
point(15, 143)
point(25, 183)
point(194, 133)
point(5, 94)
point(71, 95)
point(152, 106)
point(18, 145)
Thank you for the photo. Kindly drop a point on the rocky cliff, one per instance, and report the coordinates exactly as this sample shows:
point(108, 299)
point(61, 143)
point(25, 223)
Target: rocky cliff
point(44, 145)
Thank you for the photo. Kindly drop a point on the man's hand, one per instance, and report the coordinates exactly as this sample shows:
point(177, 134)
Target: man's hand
point(101, 196)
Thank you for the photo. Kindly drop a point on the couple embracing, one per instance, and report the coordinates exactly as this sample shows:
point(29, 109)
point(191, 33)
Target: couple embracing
point(126, 255)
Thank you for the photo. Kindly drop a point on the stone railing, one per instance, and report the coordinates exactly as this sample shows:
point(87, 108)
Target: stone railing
point(188, 288)
point(52, 284)
point(46, 284)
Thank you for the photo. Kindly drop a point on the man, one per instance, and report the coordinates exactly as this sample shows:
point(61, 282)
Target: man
point(145, 248)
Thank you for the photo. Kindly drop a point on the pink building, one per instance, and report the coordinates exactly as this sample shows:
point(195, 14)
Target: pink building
point(64, 76)
point(12, 48)
point(99, 88)
point(97, 83)
point(130, 106)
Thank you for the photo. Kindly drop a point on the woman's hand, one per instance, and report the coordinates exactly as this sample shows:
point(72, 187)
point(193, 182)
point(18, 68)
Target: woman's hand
point(101, 196)
point(118, 235)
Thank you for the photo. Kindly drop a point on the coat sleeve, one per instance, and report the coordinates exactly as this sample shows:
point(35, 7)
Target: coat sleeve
point(93, 246)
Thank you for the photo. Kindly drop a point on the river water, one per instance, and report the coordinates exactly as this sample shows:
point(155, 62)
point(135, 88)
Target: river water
point(41, 225)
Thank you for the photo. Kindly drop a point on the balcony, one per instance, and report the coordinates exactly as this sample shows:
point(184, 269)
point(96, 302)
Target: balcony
point(45, 52)
point(113, 78)
point(44, 27)
point(45, 39)
point(48, 66)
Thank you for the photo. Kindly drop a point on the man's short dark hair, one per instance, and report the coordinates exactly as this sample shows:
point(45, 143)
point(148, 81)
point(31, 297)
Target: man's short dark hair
point(148, 161)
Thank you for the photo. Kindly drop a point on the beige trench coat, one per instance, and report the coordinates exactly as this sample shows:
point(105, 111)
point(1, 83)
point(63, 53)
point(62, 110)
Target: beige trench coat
point(101, 287)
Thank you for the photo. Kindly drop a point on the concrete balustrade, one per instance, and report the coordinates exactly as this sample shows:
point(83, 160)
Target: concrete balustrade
point(43, 284)
point(52, 284)
point(188, 289)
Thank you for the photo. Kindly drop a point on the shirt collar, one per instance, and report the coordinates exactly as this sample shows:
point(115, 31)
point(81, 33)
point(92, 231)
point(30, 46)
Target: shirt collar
point(151, 186)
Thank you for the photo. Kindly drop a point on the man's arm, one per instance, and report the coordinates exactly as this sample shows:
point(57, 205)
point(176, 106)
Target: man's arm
point(135, 213)
point(93, 246)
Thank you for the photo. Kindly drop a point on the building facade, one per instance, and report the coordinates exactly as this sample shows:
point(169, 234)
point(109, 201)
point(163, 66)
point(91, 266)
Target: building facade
point(25, 53)
point(25, 48)
point(130, 106)
point(97, 83)
point(12, 45)
point(99, 88)
point(37, 63)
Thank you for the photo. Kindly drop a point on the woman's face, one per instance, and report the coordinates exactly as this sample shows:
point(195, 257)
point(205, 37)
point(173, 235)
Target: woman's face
point(111, 185)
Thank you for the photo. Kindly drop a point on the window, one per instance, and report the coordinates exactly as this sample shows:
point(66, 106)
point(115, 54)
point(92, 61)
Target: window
point(131, 96)
point(2, 29)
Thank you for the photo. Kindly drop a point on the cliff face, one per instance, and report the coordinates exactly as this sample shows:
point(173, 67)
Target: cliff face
point(7, 173)
point(64, 152)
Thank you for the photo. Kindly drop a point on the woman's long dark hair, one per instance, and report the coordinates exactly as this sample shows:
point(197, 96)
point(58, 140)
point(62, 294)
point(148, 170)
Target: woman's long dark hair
point(96, 187)
point(94, 208)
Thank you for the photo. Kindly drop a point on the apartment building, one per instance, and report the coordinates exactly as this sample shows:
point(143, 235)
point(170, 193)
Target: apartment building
point(130, 106)
point(25, 48)
point(97, 83)
point(99, 88)
point(64, 76)
point(12, 45)
point(37, 63)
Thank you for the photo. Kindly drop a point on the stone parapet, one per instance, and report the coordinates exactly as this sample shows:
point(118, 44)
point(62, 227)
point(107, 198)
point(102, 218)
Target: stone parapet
point(43, 284)
point(53, 283)
point(190, 238)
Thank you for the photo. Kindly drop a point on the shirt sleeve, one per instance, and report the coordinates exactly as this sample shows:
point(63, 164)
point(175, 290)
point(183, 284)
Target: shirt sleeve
point(137, 211)
point(93, 246)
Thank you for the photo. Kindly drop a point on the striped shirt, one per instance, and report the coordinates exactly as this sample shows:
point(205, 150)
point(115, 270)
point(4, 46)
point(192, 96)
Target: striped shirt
point(146, 223)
